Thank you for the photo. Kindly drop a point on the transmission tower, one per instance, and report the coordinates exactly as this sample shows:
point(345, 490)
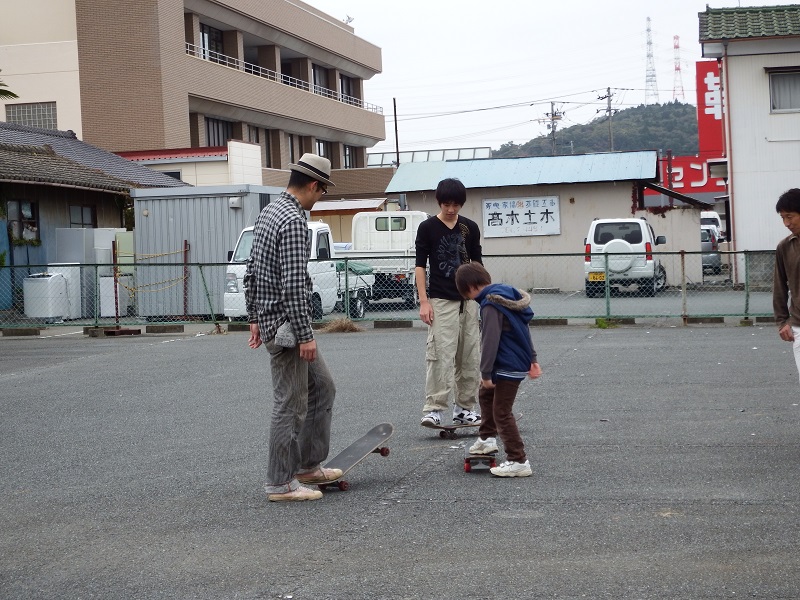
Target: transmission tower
point(650, 86)
point(677, 83)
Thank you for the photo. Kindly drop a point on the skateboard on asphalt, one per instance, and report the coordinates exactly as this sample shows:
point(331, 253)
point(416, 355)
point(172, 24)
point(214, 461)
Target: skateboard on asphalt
point(479, 462)
point(449, 431)
point(371, 442)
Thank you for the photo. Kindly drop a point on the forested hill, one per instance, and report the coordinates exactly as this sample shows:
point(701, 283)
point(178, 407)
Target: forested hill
point(671, 126)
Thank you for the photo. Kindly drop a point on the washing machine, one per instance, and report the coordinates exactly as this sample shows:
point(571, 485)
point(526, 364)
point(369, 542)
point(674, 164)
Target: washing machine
point(72, 275)
point(44, 296)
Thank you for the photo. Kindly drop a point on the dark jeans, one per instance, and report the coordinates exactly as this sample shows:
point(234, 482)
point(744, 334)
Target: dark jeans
point(497, 418)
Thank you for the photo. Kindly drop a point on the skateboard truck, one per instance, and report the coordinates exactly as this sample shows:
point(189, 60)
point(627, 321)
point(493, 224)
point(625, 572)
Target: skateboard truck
point(483, 462)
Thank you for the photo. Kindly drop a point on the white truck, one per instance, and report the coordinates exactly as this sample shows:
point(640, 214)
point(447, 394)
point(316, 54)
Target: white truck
point(333, 287)
point(385, 241)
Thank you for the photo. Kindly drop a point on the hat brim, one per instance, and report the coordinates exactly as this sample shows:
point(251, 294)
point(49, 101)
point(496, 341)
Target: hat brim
point(314, 174)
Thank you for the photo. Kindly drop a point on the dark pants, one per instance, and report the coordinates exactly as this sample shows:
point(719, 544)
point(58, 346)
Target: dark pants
point(497, 418)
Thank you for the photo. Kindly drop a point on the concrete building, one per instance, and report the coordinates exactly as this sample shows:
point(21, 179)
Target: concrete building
point(544, 205)
point(758, 51)
point(164, 74)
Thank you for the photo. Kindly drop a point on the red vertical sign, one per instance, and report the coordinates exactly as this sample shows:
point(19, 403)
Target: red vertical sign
point(709, 109)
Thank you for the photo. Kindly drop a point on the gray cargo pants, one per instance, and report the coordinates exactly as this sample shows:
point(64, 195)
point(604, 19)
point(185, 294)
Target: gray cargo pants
point(300, 431)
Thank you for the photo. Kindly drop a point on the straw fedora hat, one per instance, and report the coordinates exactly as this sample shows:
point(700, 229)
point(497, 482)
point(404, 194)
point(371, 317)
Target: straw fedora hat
point(314, 166)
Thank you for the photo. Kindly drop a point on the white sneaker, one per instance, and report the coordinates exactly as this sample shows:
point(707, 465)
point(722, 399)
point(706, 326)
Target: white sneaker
point(487, 446)
point(433, 418)
point(512, 469)
point(465, 416)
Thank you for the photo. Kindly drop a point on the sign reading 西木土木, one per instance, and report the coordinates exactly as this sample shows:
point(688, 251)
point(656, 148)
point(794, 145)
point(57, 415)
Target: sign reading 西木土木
point(509, 217)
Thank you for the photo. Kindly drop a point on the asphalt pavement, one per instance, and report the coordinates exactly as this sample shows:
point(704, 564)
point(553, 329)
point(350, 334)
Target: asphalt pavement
point(666, 464)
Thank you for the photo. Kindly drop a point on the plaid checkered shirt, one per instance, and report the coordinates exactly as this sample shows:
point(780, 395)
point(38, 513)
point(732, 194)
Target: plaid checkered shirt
point(277, 285)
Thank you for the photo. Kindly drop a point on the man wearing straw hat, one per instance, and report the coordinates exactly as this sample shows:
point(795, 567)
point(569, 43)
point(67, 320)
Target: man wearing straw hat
point(278, 293)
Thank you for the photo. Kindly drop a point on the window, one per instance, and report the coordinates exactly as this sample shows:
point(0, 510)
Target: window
point(396, 223)
point(347, 87)
point(324, 148)
point(218, 132)
point(35, 114)
point(83, 216)
point(267, 150)
point(349, 157)
point(211, 43)
point(252, 134)
point(173, 174)
point(320, 75)
point(323, 246)
point(290, 143)
point(23, 220)
point(784, 91)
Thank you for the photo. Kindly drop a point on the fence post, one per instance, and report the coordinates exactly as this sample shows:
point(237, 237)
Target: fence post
point(607, 287)
point(746, 284)
point(684, 307)
point(346, 294)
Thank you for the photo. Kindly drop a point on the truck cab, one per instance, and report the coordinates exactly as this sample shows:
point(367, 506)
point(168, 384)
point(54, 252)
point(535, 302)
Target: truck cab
point(321, 268)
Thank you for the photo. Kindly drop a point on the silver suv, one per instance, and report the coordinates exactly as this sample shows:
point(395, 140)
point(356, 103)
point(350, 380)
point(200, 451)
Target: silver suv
point(621, 250)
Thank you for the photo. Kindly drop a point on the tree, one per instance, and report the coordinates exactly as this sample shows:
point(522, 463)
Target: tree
point(6, 94)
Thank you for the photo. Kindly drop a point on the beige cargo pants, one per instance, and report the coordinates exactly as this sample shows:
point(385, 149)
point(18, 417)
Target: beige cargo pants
point(452, 355)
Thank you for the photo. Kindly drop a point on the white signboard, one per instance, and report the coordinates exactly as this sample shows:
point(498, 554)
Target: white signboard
point(509, 217)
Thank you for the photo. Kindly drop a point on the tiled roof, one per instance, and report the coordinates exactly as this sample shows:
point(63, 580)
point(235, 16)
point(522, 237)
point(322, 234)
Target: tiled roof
point(40, 164)
point(67, 145)
point(718, 24)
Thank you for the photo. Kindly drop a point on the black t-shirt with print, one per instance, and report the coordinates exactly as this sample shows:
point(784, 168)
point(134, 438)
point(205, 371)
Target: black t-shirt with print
point(446, 249)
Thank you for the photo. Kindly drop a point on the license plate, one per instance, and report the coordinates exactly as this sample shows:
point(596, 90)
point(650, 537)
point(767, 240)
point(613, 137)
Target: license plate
point(597, 276)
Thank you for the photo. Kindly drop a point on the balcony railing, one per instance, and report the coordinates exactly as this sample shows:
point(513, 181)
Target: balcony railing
point(250, 68)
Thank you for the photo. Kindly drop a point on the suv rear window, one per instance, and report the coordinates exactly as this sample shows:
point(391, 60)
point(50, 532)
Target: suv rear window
point(630, 232)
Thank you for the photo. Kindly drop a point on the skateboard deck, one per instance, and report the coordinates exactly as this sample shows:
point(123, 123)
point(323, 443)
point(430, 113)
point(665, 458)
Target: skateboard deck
point(478, 462)
point(449, 431)
point(371, 442)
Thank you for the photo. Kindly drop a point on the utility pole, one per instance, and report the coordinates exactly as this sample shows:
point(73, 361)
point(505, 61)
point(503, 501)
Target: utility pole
point(396, 139)
point(554, 117)
point(610, 113)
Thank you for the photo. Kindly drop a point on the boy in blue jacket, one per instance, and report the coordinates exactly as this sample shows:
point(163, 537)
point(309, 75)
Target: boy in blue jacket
point(507, 357)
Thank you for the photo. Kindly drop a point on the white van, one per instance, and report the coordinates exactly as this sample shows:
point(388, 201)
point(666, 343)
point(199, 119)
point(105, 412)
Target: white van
point(712, 219)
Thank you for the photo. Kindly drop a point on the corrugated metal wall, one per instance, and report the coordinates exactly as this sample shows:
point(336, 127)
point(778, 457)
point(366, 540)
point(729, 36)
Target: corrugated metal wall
point(164, 227)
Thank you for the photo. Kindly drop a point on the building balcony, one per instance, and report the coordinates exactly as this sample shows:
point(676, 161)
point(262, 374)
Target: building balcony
point(258, 71)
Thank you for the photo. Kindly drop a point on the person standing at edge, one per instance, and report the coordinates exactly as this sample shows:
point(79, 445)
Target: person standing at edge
point(447, 241)
point(786, 278)
point(278, 296)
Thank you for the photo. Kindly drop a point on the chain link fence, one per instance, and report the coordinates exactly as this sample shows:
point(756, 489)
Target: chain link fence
point(563, 286)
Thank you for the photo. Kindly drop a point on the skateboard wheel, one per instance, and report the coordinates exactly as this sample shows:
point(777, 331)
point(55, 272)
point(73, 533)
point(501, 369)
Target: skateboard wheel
point(384, 451)
point(467, 466)
point(492, 464)
point(442, 434)
point(343, 485)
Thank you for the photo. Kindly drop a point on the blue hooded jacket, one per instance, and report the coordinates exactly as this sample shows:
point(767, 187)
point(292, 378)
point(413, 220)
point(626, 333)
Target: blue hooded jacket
point(515, 351)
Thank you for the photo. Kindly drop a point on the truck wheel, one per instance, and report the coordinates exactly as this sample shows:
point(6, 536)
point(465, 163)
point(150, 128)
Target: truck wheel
point(358, 307)
point(316, 308)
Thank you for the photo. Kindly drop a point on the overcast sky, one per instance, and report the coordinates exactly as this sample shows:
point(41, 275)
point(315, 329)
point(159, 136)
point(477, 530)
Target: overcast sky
point(468, 73)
